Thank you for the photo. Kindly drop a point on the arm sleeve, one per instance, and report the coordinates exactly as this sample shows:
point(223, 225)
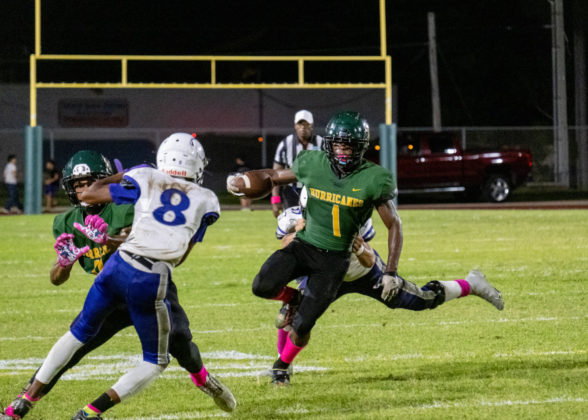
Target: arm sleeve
point(299, 164)
point(126, 192)
point(211, 215)
point(388, 189)
point(207, 220)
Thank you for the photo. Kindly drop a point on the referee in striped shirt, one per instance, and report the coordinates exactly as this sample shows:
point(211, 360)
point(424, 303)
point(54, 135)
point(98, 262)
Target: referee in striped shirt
point(288, 195)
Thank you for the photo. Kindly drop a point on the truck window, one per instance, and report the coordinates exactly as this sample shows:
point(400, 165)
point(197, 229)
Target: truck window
point(442, 144)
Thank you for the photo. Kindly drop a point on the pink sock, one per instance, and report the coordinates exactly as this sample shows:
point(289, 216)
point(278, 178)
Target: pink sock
point(290, 351)
point(31, 399)
point(199, 378)
point(465, 287)
point(282, 337)
point(91, 407)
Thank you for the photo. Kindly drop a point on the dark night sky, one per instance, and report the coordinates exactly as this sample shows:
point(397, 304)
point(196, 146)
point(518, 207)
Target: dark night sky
point(494, 55)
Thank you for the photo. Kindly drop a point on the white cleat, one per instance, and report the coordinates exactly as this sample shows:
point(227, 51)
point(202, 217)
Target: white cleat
point(480, 287)
point(220, 393)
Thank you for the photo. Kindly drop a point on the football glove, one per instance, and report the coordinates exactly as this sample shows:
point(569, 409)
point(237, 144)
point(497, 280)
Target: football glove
point(230, 187)
point(391, 285)
point(95, 229)
point(67, 252)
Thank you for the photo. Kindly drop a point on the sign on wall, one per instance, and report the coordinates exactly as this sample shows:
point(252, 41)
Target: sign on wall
point(107, 112)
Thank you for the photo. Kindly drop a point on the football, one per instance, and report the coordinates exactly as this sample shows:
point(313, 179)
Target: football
point(253, 184)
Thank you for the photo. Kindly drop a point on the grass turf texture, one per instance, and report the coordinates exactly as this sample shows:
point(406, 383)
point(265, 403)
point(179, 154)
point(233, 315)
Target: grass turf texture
point(463, 360)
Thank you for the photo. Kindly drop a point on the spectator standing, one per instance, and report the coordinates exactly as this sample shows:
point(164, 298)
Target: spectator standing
point(241, 167)
point(51, 183)
point(11, 181)
point(303, 139)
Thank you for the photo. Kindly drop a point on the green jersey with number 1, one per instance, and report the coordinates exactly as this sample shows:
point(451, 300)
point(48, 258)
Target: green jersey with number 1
point(338, 207)
point(117, 218)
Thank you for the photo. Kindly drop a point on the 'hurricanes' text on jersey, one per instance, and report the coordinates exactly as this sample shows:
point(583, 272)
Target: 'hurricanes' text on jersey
point(338, 207)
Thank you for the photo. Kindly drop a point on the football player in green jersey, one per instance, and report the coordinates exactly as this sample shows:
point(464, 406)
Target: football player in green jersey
point(343, 189)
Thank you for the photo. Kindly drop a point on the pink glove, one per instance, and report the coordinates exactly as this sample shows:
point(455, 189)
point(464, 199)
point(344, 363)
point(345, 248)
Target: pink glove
point(95, 229)
point(67, 252)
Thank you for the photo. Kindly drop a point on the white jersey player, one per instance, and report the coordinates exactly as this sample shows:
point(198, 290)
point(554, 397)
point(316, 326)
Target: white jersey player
point(169, 213)
point(172, 212)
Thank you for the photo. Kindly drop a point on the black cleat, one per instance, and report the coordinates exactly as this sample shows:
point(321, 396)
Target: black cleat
point(280, 377)
point(287, 312)
point(17, 409)
point(82, 415)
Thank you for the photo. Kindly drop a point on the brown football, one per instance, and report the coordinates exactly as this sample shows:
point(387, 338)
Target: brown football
point(254, 184)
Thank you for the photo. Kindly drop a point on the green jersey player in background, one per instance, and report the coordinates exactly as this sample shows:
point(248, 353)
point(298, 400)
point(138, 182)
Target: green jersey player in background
point(343, 189)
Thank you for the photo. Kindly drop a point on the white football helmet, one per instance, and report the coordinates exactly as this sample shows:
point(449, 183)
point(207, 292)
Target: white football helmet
point(181, 155)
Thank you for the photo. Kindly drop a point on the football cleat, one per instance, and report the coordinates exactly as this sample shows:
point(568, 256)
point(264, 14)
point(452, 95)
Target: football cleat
point(270, 371)
point(287, 312)
point(220, 393)
point(17, 409)
point(480, 287)
point(82, 415)
point(280, 377)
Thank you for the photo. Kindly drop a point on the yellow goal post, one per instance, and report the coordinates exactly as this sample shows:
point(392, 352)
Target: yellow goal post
point(33, 133)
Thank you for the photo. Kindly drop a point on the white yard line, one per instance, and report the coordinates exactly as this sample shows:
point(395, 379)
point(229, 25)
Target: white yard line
point(505, 403)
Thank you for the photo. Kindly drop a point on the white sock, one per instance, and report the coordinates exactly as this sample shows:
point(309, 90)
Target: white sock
point(137, 379)
point(58, 357)
point(452, 289)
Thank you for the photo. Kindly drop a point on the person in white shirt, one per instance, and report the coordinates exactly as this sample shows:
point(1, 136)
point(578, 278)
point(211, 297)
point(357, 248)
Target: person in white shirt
point(11, 180)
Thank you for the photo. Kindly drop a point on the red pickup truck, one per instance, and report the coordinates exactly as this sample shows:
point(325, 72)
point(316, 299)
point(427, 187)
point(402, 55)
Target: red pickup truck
point(435, 162)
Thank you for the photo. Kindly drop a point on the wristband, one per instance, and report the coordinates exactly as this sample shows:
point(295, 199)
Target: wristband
point(360, 251)
point(275, 199)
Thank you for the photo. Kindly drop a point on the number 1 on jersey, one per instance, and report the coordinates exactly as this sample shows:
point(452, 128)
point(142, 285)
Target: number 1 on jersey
point(336, 227)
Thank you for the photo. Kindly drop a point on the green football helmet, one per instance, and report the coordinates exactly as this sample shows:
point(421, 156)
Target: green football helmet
point(351, 128)
point(84, 164)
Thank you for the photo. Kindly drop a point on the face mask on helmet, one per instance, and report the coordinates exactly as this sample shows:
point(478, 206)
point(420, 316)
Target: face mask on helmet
point(181, 155)
point(346, 129)
point(86, 165)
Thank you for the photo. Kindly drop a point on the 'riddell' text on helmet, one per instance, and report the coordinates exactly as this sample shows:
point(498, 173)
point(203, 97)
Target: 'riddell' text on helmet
point(351, 128)
point(181, 155)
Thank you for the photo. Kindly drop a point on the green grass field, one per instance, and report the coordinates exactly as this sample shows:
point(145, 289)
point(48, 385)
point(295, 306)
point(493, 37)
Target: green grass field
point(463, 360)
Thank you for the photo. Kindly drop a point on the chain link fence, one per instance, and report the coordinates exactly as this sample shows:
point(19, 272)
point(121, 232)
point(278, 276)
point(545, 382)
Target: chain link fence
point(257, 147)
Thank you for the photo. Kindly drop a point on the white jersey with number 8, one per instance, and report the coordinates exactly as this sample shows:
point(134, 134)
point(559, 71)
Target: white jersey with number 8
point(169, 213)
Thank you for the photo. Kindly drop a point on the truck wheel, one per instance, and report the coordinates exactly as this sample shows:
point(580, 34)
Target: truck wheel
point(497, 188)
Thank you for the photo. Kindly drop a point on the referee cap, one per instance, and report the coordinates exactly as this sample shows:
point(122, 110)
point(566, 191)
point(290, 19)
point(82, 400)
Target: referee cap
point(305, 115)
